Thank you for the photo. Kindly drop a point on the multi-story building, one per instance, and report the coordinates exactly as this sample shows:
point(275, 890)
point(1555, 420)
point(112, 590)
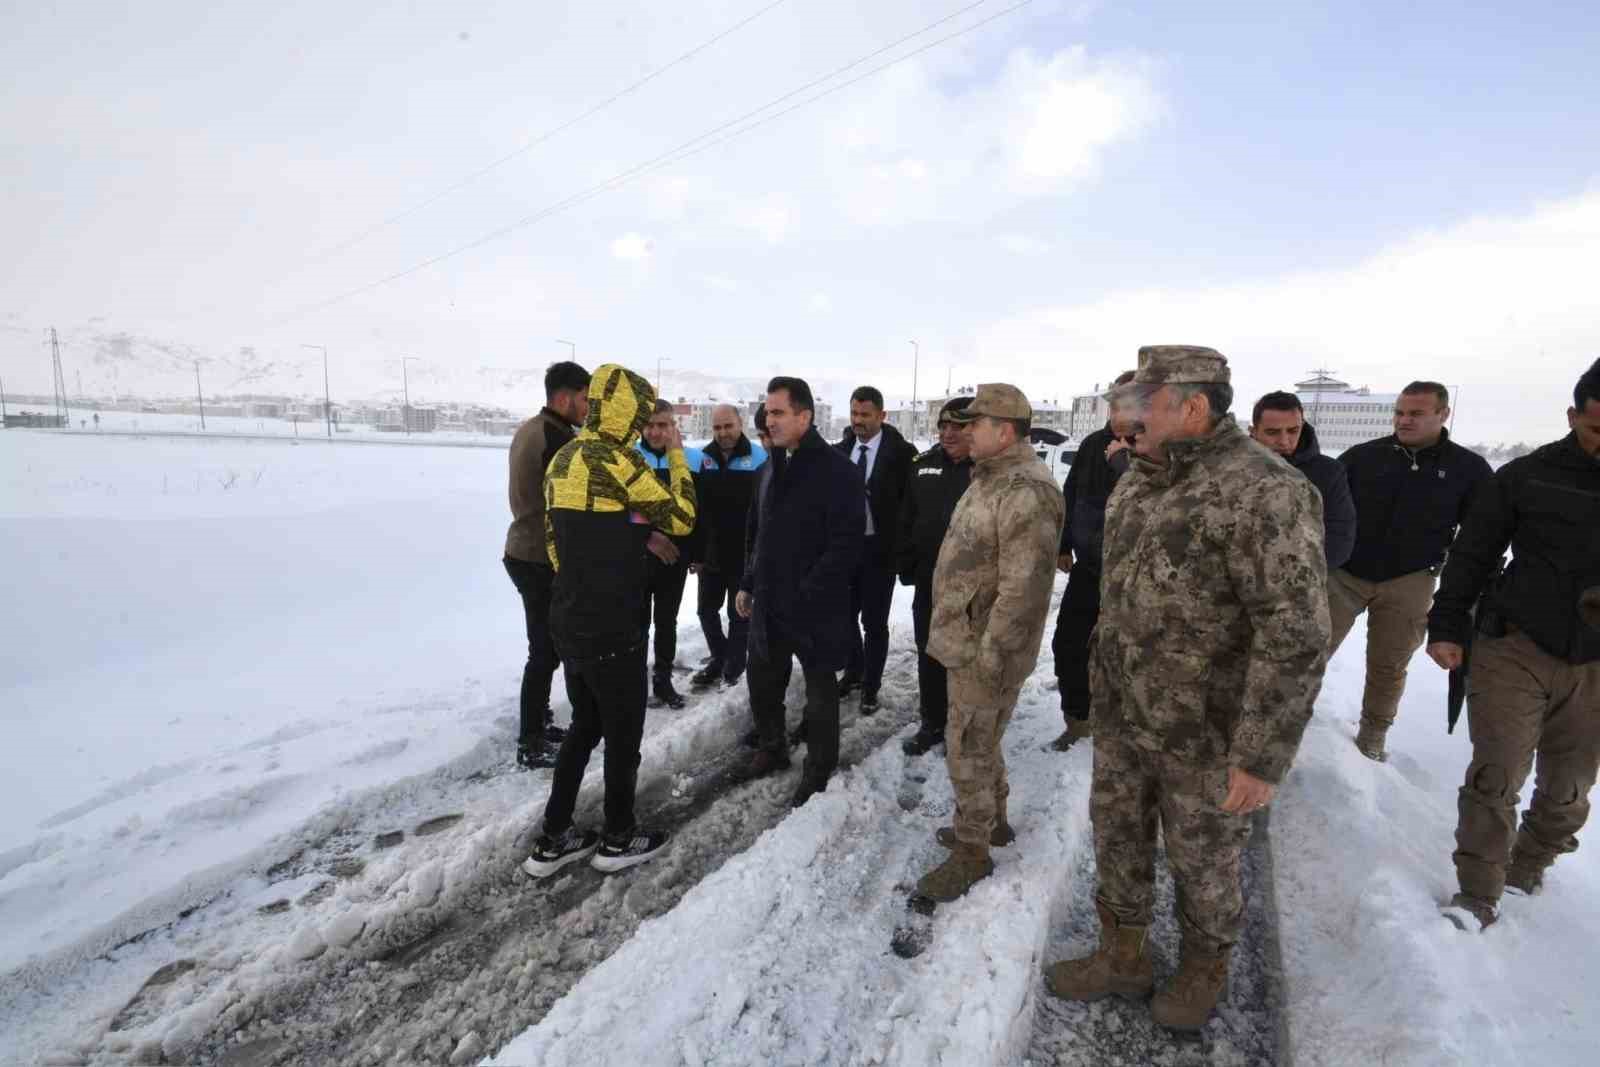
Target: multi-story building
point(407, 419)
point(1345, 415)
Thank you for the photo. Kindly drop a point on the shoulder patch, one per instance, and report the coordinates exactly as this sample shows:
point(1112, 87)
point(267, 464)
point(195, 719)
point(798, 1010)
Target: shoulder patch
point(937, 472)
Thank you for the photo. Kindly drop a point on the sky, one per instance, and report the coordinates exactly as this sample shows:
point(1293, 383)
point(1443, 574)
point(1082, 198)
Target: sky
point(1388, 191)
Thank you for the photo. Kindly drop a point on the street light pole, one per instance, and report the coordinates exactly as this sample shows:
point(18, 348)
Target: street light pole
point(572, 347)
point(660, 360)
point(198, 395)
point(405, 391)
point(916, 360)
point(327, 403)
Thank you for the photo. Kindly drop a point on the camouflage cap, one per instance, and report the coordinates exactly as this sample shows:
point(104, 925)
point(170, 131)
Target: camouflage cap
point(997, 400)
point(1181, 365)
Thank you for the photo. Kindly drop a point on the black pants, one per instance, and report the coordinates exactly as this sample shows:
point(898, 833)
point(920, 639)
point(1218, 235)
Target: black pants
point(718, 591)
point(871, 595)
point(933, 685)
point(607, 705)
point(663, 597)
point(769, 678)
point(1080, 608)
point(533, 582)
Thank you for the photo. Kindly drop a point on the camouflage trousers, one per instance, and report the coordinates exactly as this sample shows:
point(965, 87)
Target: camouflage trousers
point(1133, 792)
point(978, 717)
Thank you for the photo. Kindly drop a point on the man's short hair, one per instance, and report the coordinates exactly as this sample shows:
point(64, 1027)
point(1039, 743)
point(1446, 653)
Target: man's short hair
point(1278, 401)
point(1218, 394)
point(564, 375)
point(866, 394)
point(1588, 387)
point(761, 418)
point(1440, 393)
point(799, 392)
point(663, 407)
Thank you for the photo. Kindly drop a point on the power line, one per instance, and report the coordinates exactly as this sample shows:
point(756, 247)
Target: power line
point(689, 148)
point(362, 235)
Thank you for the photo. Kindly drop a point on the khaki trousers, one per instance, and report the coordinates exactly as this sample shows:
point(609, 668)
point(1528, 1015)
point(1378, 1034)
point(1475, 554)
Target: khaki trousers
point(1522, 701)
point(978, 717)
point(1397, 624)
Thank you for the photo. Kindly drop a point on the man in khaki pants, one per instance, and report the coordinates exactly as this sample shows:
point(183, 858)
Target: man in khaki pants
point(1534, 687)
point(1411, 489)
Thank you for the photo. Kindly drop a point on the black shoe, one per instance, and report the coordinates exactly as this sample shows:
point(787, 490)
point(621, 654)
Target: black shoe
point(554, 734)
point(923, 741)
point(618, 854)
point(799, 734)
point(666, 695)
point(550, 854)
point(765, 762)
point(849, 684)
point(805, 791)
point(751, 739)
point(869, 702)
point(536, 755)
point(707, 676)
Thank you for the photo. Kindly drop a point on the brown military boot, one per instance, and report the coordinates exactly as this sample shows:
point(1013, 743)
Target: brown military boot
point(1186, 1002)
point(999, 837)
point(1369, 741)
point(1525, 872)
point(966, 866)
point(1121, 965)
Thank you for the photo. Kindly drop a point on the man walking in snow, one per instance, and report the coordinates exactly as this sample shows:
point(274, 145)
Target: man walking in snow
point(667, 562)
point(1278, 422)
point(566, 405)
point(991, 590)
point(939, 478)
point(1212, 639)
point(1411, 490)
point(724, 482)
point(601, 505)
point(803, 543)
point(1535, 673)
point(1101, 461)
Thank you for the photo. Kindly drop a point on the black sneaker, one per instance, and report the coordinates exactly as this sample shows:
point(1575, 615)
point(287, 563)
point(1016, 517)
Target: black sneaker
point(536, 755)
point(751, 739)
point(805, 791)
point(849, 684)
point(923, 741)
point(869, 703)
point(550, 854)
point(707, 676)
point(554, 734)
point(799, 734)
point(666, 695)
point(763, 763)
point(636, 848)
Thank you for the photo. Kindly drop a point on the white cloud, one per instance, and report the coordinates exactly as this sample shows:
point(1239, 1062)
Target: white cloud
point(1503, 306)
point(1024, 245)
point(632, 247)
point(821, 303)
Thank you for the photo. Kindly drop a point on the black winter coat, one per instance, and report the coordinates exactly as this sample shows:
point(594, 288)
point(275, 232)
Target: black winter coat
point(887, 486)
point(723, 491)
point(1408, 505)
point(1546, 508)
point(1089, 482)
point(803, 543)
point(936, 486)
point(1338, 506)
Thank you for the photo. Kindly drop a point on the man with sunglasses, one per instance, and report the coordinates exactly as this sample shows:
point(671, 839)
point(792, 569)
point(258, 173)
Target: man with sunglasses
point(939, 477)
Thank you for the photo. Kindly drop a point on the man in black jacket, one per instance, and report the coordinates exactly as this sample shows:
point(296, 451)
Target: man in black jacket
point(1411, 489)
point(566, 405)
point(1102, 458)
point(803, 544)
point(938, 479)
point(1279, 423)
point(729, 468)
point(1535, 674)
point(883, 459)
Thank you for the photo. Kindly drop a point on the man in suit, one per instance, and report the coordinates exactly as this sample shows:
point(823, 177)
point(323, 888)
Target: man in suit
point(803, 543)
point(883, 459)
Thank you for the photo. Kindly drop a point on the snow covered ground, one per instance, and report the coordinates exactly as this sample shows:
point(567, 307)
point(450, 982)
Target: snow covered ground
point(229, 666)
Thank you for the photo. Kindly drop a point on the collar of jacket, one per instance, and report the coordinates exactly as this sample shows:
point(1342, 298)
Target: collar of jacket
point(1435, 449)
point(1014, 456)
point(1186, 452)
point(886, 431)
point(558, 417)
point(741, 447)
point(1309, 447)
point(1569, 454)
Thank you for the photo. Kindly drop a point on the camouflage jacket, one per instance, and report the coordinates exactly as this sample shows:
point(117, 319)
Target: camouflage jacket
point(1213, 629)
point(992, 584)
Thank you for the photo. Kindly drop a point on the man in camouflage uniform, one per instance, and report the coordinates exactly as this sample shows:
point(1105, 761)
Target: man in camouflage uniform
point(1209, 655)
point(991, 593)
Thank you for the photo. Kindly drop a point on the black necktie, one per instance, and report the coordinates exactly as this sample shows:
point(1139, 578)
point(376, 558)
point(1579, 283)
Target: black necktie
point(861, 461)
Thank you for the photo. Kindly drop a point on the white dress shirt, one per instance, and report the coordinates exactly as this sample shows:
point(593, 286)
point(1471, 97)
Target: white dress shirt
point(856, 445)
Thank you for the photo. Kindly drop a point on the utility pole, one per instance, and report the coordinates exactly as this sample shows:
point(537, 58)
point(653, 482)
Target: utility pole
point(2, 403)
point(198, 395)
point(572, 347)
point(660, 360)
point(58, 383)
point(327, 404)
point(405, 392)
point(916, 358)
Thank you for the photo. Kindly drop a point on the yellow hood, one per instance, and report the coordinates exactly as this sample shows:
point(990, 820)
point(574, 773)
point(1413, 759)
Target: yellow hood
point(620, 403)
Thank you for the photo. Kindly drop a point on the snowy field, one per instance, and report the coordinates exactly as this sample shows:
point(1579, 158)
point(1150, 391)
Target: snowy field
point(308, 430)
point(259, 701)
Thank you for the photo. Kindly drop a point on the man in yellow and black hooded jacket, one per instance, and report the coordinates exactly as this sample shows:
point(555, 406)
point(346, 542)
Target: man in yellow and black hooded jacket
point(601, 503)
